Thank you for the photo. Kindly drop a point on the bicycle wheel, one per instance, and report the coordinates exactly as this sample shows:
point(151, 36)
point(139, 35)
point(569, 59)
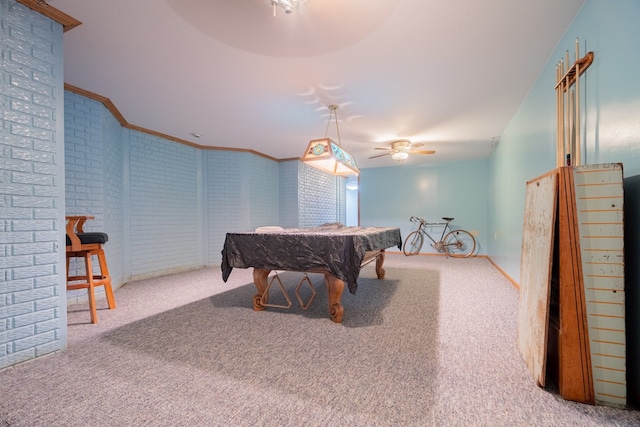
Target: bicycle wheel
point(413, 243)
point(459, 244)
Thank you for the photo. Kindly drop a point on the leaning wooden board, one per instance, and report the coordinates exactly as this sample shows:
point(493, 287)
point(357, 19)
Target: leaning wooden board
point(535, 272)
point(574, 362)
point(588, 202)
point(599, 201)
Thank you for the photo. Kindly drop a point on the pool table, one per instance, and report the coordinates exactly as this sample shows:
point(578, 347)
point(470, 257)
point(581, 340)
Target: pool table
point(335, 250)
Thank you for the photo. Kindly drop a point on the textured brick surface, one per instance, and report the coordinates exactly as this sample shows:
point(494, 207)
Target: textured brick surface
point(30, 102)
point(320, 197)
point(94, 180)
point(289, 197)
point(228, 201)
point(164, 205)
point(264, 193)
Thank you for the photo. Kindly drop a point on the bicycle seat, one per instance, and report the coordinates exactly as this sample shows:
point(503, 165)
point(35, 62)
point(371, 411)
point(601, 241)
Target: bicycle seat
point(447, 219)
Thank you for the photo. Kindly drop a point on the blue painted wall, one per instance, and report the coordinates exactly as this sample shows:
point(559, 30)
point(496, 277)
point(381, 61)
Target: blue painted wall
point(389, 196)
point(610, 126)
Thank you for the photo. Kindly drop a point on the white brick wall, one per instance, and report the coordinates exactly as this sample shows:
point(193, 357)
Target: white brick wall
point(321, 197)
point(168, 205)
point(83, 173)
point(31, 199)
point(94, 180)
point(164, 205)
point(114, 196)
point(228, 204)
point(289, 201)
point(264, 193)
point(243, 194)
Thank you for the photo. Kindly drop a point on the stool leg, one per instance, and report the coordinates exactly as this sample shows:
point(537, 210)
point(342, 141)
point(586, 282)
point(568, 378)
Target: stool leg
point(104, 270)
point(68, 261)
point(90, 289)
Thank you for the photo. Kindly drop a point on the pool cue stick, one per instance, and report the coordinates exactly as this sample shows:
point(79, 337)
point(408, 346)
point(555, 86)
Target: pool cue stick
point(566, 113)
point(577, 106)
point(571, 124)
point(561, 141)
point(559, 152)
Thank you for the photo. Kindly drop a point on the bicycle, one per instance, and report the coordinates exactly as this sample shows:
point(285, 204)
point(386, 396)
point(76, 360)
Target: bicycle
point(455, 243)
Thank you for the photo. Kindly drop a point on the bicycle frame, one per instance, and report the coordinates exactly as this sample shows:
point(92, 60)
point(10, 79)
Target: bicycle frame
point(457, 243)
point(437, 244)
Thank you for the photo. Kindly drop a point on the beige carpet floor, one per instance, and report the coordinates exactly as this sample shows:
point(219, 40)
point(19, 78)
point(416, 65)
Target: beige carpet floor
point(433, 344)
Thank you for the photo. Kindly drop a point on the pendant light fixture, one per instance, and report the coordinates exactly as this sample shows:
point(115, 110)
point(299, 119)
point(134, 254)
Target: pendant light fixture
point(328, 156)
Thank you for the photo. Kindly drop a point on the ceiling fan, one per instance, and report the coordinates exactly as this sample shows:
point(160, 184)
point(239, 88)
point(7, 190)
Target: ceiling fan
point(401, 149)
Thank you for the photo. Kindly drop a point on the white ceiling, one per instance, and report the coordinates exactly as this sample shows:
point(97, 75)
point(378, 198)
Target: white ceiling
point(449, 74)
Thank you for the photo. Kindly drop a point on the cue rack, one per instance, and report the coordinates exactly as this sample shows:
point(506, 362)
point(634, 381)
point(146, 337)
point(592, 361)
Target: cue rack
point(568, 107)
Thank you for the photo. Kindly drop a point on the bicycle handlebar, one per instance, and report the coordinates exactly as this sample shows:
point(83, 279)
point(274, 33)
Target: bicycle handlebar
point(423, 222)
point(416, 219)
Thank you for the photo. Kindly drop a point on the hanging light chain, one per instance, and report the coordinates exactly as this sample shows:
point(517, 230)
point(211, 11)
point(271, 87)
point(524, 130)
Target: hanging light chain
point(333, 112)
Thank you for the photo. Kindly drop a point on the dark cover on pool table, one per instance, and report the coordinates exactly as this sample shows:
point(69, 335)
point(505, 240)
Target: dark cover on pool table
point(330, 247)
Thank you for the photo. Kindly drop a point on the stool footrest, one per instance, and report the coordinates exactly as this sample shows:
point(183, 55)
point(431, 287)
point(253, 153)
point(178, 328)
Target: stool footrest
point(97, 281)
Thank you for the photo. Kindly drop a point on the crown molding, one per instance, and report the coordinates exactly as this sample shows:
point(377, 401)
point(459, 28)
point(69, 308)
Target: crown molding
point(51, 12)
point(124, 123)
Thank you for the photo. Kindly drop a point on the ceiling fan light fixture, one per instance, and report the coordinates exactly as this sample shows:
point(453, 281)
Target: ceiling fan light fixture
point(400, 150)
point(287, 5)
point(400, 155)
point(329, 156)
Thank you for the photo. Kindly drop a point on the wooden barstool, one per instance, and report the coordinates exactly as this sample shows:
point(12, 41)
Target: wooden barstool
point(85, 245)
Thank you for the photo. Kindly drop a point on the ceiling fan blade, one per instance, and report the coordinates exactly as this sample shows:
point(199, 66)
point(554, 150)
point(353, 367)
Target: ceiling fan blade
point(380, 155)
point(382, 148)
point(422, 152)
point(416, 145)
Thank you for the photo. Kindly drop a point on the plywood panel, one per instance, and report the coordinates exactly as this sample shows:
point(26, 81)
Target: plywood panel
point(535, 273)
point(574, 373)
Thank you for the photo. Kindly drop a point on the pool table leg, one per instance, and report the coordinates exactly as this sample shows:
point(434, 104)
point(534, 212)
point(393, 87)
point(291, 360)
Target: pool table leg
point(260, 276)
point(335, 287)
point(379, 261)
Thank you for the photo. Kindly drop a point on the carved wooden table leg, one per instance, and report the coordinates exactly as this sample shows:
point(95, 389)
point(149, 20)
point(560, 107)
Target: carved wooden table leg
point(379, 261)
point(335, 287)
point(260, 280)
